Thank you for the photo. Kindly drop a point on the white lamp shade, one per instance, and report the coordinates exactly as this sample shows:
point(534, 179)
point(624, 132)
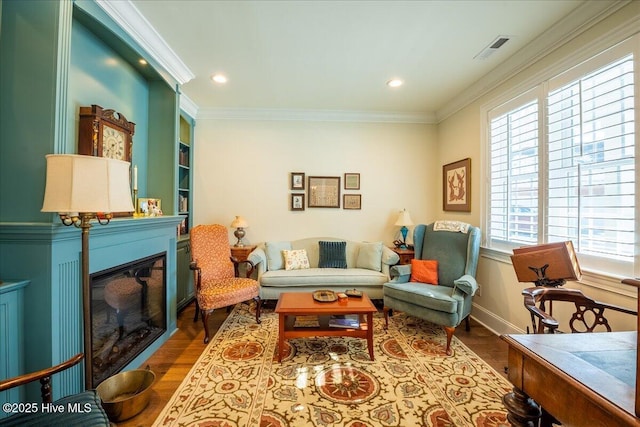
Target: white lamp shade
point(404, 219)
point(86, 184)
point(239, 222)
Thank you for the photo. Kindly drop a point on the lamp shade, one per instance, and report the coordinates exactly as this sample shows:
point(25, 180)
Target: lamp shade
point(87, 184)
point(404, 219)
point(239, 222)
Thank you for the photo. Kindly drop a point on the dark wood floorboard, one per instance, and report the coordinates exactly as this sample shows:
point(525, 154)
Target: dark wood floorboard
point(173, 360)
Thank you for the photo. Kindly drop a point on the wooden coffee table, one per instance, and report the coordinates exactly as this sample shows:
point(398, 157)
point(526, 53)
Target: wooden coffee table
point(291, 304)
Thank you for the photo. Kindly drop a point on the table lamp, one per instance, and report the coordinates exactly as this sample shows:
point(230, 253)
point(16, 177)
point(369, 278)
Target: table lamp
point(404, 219)
point(80, 189)
point(239, 224)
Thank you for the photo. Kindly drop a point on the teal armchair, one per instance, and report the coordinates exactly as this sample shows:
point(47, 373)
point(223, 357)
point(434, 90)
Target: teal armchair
point(448, 302)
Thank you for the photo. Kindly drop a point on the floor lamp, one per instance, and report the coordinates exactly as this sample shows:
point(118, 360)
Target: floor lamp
point(80, 189)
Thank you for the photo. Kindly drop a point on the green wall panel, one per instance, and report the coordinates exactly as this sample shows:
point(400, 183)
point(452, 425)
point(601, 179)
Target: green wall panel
point(99, 76)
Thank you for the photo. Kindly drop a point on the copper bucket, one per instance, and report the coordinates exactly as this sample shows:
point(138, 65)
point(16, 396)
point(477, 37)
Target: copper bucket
point(126, 394)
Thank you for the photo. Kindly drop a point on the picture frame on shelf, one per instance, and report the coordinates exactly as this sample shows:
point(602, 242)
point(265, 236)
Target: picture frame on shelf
point(352, 201)
point(297, 180)
point(323, 192)
point(297, 201)
point(149, 207)
point(456, 186)
point(351, 181)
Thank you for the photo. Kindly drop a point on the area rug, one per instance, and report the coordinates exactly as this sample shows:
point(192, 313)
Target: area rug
point(330, 381)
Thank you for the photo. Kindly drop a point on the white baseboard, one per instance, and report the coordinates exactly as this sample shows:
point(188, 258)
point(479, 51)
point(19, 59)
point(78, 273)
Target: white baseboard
point(495, 324)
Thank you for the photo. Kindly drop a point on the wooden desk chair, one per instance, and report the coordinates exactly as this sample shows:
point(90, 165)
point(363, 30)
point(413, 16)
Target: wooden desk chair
point(589, 315)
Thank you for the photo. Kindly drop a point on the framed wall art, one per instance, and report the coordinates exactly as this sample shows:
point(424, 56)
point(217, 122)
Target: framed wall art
point(351, 181)
point(352, 201)
point(324, 192)
point(456, 186)
point(297, 180)
point(297, 201)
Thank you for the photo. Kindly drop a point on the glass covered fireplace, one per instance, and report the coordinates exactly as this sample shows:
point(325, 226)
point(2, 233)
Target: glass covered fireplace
point(127, 313)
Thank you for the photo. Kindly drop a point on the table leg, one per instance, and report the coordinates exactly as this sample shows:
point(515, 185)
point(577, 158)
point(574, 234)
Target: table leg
point(523, 411)
point(281, 323)
point(370, 334)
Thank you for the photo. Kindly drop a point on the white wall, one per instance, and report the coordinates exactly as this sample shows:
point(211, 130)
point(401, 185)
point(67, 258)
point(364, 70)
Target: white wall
point(243, 167)
point(500, 305)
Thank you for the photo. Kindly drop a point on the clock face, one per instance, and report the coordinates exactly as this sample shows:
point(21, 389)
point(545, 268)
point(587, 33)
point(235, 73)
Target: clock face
point(113, 143)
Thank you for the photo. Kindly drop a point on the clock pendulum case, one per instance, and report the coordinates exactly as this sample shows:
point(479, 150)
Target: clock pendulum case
point(105, 133)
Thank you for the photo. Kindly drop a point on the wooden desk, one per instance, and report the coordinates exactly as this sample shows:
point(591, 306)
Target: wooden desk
point(581, 379)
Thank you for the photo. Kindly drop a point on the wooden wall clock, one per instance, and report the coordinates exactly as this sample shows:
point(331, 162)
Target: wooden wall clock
point(105, 133)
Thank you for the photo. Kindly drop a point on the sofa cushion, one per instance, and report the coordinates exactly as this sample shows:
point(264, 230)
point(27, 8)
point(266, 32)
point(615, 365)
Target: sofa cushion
point(332, 254)
point(323, 278)
point(424, 271)
point(438, 298)
point(370, 256)
point(273, 250)
point(295, 259)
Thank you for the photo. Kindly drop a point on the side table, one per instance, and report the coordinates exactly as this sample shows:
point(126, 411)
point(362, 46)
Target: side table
point(406, 255)
point(242, 252)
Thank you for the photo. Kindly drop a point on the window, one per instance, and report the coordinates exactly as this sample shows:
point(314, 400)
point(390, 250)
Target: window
point(562, 164)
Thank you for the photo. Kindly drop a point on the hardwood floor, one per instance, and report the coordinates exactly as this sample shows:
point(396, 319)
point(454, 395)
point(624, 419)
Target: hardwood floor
point(172, 362)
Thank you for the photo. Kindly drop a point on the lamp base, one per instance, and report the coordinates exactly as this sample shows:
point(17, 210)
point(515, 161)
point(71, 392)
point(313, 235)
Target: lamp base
point(404, 230)
point(239, 233)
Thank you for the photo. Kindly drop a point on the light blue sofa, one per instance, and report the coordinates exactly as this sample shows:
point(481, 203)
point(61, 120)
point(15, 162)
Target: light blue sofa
point(367, 269)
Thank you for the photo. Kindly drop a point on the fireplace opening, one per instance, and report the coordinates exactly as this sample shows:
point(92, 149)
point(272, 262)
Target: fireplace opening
point(127, 313)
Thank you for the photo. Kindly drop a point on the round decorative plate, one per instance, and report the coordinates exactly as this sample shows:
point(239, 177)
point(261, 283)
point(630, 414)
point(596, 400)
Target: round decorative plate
point(325, 295)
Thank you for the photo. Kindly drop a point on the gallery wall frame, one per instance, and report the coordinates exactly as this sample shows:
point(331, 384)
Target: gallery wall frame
point(456, 186)
point(297, 181)
point(351, 181)
point(323, 192)
point(297, 201)
point(352, 201)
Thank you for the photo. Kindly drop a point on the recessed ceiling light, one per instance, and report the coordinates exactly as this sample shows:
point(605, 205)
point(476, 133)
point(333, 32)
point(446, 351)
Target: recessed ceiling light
point(142, 61)
point(395, 83)
point(219, 78)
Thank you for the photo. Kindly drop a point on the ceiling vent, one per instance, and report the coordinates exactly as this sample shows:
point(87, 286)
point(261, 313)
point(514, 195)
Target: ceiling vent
point(492, 48)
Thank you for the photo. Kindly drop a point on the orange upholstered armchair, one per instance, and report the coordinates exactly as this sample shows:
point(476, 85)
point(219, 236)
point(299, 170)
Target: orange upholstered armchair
point(217, 284)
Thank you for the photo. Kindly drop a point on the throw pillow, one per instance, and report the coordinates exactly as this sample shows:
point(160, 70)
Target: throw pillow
point(333, 254)
point(370, 256)
point(424, 271)
point(295, 259)
point(273, 250)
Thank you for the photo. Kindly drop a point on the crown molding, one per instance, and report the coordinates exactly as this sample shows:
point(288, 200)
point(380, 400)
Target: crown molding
point(579, 20)
point(188, 106)
point(129, 18)
point(268, 114)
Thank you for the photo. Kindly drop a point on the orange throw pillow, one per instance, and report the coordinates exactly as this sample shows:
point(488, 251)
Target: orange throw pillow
point(424, 271)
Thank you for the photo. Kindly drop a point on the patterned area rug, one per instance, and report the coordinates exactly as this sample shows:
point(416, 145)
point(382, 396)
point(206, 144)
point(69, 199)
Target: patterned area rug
point(329, 381)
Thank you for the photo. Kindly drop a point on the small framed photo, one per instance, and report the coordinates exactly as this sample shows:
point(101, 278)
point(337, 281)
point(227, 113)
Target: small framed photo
point(456, 183)
point(149, 207)
point(352, 201)
point(297, 180)
point(297, 201)
point(324, 192)
point(351, 181)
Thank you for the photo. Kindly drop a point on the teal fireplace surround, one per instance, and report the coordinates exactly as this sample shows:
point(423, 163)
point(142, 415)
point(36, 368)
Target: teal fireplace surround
point(52, 312)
